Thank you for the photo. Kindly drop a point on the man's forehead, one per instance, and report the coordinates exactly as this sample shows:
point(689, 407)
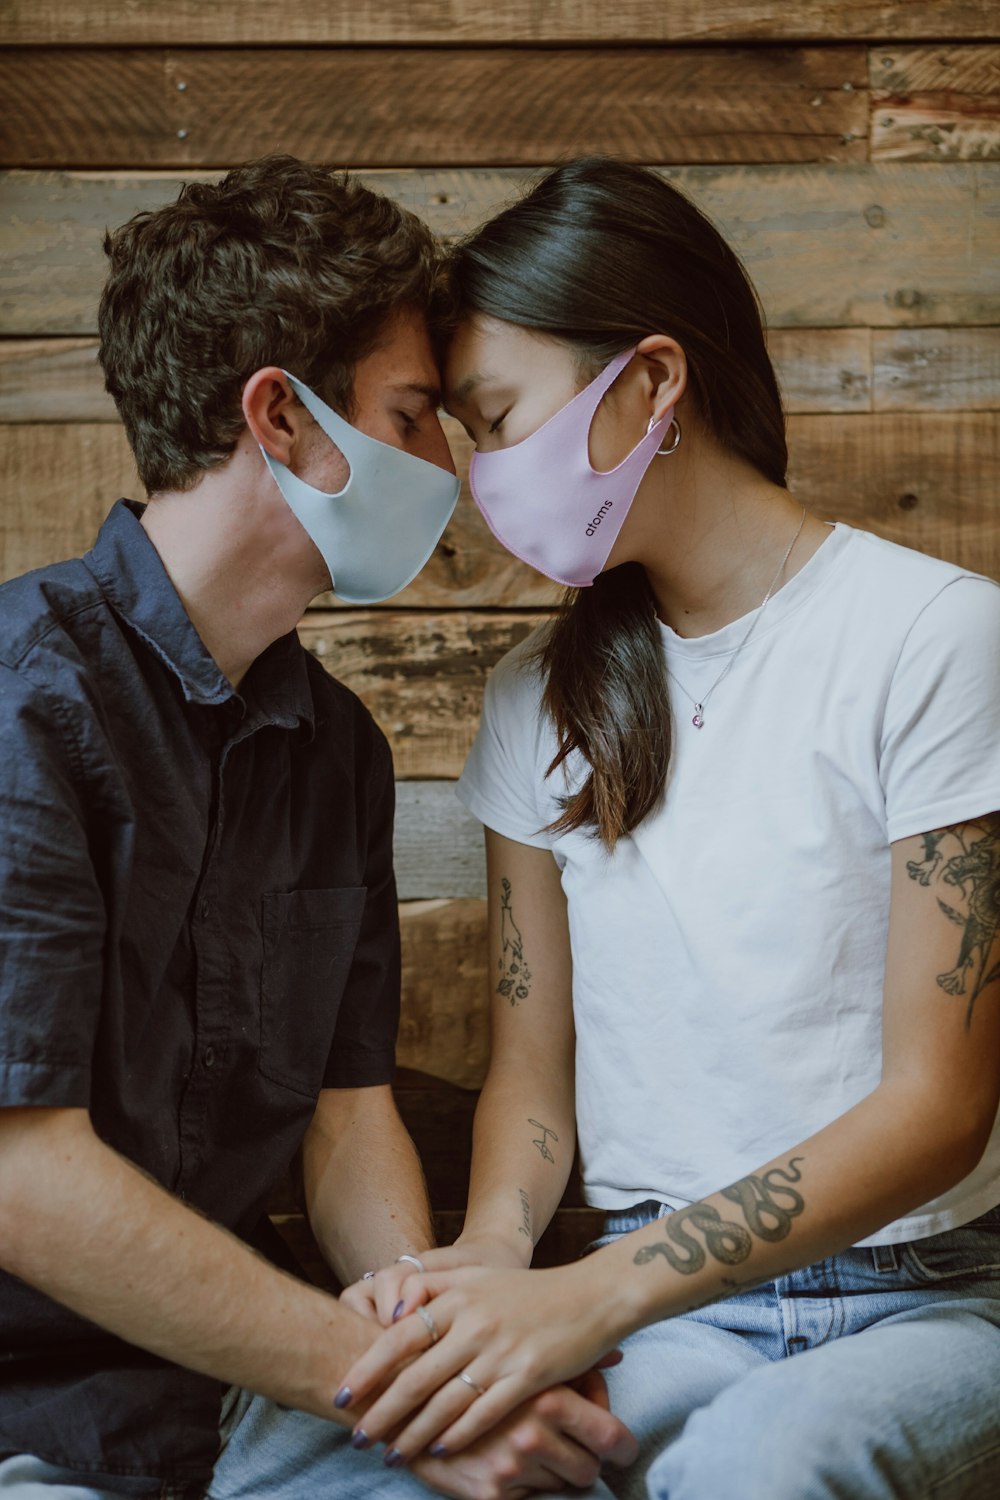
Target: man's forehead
point(431, 390)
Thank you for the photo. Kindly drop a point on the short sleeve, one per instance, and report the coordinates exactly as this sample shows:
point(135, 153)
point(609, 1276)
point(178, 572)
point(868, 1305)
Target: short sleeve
point(363, 1052)
point(940, 753)
point(52, 915)
point(502, 783)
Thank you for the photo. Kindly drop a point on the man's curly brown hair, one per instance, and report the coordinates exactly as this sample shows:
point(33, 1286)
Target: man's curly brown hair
point(280, 262)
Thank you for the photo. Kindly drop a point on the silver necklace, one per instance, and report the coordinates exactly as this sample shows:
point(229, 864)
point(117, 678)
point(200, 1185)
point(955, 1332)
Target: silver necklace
point(699, 706)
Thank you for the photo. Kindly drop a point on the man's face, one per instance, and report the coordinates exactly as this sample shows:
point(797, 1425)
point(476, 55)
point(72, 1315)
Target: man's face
point(396, 399)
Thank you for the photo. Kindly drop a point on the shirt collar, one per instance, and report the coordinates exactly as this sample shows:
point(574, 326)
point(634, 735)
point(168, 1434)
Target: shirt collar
point(132, 577)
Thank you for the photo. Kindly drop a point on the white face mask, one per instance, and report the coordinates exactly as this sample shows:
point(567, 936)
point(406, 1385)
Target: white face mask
point(378, 531)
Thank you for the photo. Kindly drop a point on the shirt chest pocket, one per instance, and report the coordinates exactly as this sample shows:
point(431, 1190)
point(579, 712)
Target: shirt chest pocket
point(309, 939)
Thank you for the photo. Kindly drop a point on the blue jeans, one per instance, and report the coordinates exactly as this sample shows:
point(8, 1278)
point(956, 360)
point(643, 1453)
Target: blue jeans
point(873, 1375)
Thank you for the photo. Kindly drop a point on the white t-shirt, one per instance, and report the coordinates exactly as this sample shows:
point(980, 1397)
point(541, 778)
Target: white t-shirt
point(728, 958)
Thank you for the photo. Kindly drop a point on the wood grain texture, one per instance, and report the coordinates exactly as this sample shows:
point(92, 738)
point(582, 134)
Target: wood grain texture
point(422, 676)
point(438, 846)
point(59, 380)
point(935, 103)
point(418, 106)
point(943, 369)
point(60, 480)
point(855, 245)
point(58, 484)
point(444, 1025)
point(232, 22)
point(926, 480)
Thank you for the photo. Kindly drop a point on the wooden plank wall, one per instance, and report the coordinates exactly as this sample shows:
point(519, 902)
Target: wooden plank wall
point(849, 148)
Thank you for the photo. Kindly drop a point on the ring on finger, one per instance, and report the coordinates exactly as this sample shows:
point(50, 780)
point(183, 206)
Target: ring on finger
point(428, 1322)
point(368, 1276)
point(413, 1260)
point(473, 1385)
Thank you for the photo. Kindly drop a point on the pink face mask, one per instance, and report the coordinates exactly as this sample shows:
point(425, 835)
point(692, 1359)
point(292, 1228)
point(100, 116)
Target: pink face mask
point(546, 503)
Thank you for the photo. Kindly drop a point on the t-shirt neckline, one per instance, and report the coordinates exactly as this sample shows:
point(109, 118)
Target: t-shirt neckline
point(782, 603)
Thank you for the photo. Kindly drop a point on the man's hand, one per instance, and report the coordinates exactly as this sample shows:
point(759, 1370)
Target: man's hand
point(560, 1437)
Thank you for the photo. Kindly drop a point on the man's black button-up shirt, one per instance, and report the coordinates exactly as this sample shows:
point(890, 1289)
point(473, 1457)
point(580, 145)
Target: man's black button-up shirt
point(198, 932)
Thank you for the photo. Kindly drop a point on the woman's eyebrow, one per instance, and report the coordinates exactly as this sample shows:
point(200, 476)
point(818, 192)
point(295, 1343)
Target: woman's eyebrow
point(466, 387)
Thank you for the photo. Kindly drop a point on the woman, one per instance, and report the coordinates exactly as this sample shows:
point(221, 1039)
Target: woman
point(744, 862)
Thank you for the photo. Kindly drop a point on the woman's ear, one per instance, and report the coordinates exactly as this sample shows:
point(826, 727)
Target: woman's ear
point(272, 410)
point(666, 372)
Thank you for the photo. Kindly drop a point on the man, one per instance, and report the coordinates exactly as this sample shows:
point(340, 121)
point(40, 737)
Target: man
point(198, 942)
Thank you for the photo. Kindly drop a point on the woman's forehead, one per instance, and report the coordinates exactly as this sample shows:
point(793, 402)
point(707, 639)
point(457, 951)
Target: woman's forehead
point(485, 351)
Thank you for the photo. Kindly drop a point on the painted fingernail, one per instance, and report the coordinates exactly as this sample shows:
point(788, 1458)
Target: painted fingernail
point(397, 1310)
point(437, 1450)
point(392, 1458)
point(342, 1398)
point(360, 1438)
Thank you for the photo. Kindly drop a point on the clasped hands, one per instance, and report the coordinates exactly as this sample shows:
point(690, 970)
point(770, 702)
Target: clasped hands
point(471, 1351)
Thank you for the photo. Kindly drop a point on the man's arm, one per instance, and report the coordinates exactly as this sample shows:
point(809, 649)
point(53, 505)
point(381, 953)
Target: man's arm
point(82, 1224)
point(365, 1193)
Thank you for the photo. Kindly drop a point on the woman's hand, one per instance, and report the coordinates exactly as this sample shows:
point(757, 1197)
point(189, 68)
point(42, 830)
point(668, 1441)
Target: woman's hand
point(501, 1337)
point(379, 1296)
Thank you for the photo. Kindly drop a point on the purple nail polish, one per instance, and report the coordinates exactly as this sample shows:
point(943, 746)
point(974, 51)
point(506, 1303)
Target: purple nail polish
point(437, 1450)
point(392, 1458)
point(360, 1438)
point(397, 1310)
point(342, 1398)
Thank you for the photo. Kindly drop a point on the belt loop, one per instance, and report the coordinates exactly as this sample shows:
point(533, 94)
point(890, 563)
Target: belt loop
point(885, 1258)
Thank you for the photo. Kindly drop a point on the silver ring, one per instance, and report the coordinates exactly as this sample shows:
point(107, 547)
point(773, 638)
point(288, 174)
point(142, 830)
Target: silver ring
point(414, 1260)
point(428, 1323)
point(480, 1390)
point(368, 1276)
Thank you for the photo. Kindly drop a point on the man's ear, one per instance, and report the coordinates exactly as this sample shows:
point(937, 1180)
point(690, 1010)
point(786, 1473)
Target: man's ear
point(666, 372)
point(273, 412)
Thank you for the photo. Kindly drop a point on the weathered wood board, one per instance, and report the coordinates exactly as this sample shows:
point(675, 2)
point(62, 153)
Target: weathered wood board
point(60, 478)
point(418, 106)
point(818, 369)
point(444, 22)
point(444, 1025)
point(438, 845)
point(421, 675)
point(935, 103)
point(872, 245)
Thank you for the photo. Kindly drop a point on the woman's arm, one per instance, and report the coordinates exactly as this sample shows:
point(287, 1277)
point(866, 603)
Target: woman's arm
point(524, 1131)
point(915, 1136)
point(524, 1134)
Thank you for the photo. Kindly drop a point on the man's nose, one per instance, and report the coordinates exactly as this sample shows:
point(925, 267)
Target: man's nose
point(434, 445)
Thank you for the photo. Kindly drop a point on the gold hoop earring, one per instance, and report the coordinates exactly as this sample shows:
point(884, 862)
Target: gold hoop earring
point(665, 452)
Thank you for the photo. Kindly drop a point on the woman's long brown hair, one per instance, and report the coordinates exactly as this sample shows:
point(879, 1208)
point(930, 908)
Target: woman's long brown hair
point(599, 254)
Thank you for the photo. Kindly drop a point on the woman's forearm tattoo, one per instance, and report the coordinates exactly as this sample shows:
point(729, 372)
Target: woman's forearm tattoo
point(515, 976)
point(543, 1142)
point(768, 1204)
point(964, 862)
point(525, 1225)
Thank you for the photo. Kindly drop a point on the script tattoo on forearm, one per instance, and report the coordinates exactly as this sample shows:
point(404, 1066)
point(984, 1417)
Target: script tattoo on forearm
point(525, 1225)
point(543, 1142)
point(515, 976)
point(759, 1200)
point(966, 858)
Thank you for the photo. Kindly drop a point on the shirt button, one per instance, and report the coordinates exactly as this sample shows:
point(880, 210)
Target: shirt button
point(209, 1058)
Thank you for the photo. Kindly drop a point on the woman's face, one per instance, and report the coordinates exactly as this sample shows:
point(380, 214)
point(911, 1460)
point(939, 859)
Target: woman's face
point(503, 382)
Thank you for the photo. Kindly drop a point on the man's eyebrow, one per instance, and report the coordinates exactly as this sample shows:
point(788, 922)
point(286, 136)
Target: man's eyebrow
point(418, 388)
